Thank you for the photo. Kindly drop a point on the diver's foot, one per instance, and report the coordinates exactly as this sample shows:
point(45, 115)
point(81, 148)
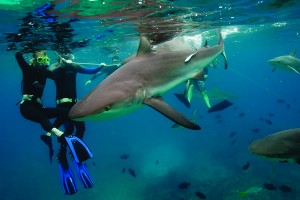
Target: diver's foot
point(48, 141)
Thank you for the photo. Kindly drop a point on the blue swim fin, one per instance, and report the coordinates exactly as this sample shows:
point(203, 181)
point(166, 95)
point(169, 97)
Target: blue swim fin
point(79, 149)
point(83, 174)
point(67, 178)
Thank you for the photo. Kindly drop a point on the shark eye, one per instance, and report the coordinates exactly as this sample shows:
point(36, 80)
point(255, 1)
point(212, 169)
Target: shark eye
point(107, 108)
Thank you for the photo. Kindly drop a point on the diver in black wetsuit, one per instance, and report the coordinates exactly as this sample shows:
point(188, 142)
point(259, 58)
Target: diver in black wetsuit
point(35, 75)
point(65, 72)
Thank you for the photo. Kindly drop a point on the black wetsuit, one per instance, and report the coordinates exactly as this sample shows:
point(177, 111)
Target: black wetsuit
point(65, 81)
point(33, 83)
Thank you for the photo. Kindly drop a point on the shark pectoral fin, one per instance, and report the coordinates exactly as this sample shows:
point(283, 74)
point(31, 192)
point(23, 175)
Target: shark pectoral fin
point(293, 69)
point(189, 57)
point(225, 60)
point(159, 105)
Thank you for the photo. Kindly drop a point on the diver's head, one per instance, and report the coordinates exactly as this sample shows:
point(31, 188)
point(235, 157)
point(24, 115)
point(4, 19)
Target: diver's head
point(40, 59)
point(116, 60)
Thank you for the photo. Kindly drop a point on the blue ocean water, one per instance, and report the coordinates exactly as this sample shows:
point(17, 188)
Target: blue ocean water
point(211, 159)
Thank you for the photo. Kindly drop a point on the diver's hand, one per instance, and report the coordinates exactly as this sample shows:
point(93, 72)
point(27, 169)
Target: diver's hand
point(102, 65)
point(66, 61)
point(88, 82)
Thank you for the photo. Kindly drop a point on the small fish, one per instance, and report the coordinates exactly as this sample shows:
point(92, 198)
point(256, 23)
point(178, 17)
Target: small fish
point(200, 195)
point(285, 188)
point(131, 172)
point(256, 130)
point(184, 185)
point(94, 164)
point(219, 121)
point(246, 166)
point(233, 142)
point(261, 119)
point(124, 156)
point(156, 163)
point(233, 133)
point(269, 186)
point(242, 114)
point(280, 100)
point(218, 116)
point(268, 122)
point(288, 106)
point(271, 114)
point(123, 170)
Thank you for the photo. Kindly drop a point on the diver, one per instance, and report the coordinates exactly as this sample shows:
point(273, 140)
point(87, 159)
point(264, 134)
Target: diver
point(65, 72)
point(107, 69)
point(199, 83)
point(35, 74)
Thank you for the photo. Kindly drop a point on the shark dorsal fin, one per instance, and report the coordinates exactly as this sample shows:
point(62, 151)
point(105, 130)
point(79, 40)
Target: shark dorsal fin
point(144, 46)
point(294, 53)
point(189, 57)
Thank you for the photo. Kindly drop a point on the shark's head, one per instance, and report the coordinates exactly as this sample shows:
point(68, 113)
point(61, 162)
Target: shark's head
point(105, 102)
point(282, 146)
point(280, 62)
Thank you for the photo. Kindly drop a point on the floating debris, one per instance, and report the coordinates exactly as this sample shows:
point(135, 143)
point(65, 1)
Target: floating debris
point(184, 185)
point(200, 195)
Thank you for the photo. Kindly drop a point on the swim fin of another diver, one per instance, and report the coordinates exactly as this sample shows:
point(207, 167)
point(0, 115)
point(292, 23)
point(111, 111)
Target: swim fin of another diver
point(67, 178)
point(220, 106)
point(183, 99)
point(79, 149)
point(83, 174)
point(48, 141)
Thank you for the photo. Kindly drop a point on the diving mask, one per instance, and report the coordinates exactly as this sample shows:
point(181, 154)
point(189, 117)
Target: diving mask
point(43, 60)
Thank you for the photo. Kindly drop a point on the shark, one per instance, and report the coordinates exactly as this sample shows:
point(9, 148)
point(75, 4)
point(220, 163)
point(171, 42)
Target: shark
point(143, 79)
point(283, 146)
point(286, 62)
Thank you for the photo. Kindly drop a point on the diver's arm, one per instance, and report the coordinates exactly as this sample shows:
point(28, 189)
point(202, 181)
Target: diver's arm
point(20, 60)
point(85, 70)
